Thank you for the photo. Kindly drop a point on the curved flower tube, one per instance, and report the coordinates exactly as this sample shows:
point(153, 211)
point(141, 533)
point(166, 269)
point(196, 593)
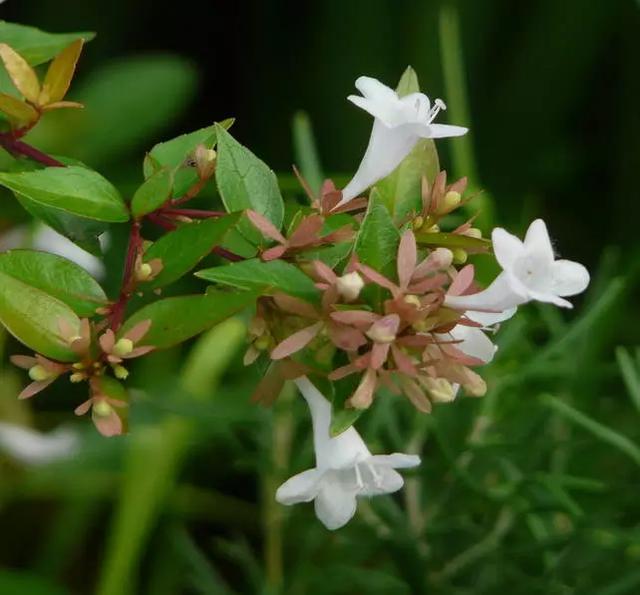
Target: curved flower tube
point(400, 122)
point(345, 469)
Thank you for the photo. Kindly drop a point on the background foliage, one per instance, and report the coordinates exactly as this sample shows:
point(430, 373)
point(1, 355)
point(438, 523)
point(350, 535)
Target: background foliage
point(532, 489)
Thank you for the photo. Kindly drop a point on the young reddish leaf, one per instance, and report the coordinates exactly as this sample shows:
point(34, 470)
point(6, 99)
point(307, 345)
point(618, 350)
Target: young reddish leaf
point(61, 70)
point(296, 342)
point(407, 257)
point(22, 75)
point(463, 281)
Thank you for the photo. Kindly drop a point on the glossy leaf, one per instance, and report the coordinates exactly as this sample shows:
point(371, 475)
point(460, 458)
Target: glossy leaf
point(81, 231)
point(61, 70)
point(265, 277)
point(56, 276)
point(76, 190)
point(246, 182)
point(176, 319)
point(21, 74)
point(182, 249)
point(153, 193)
point(32, 316)
point(400, 191)
point(37, 46)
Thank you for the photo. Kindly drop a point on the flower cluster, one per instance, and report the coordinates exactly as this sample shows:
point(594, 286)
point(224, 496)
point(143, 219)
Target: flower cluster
point(98, 352)
point(418, 324)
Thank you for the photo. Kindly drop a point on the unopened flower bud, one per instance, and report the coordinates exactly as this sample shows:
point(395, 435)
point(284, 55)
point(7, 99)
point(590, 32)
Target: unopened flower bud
point(205, 161)
point(475, 386)
point(440, 390)
point(121, 373)
point(459, 256)
point(349, 286)
point(143, 272)
point(384, 330)
point(262, 343)
point(77, 377)
point(450, 201)
point(39, 373)
point(123, 347)
point(433, 229)
point(473, 232)
point(78, 366)
point(102, 408)
point(418, 222)
point(442, 258)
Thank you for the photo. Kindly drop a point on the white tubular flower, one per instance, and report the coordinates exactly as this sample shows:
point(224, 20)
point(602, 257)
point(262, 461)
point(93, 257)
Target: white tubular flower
point(529, 272)
point(399, 124)
point(35, 448)
point(344, 468)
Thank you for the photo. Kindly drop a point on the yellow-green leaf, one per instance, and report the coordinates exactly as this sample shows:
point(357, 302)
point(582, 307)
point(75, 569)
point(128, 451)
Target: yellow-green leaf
point(61, 70)
point(17, 111)
point(22, 75)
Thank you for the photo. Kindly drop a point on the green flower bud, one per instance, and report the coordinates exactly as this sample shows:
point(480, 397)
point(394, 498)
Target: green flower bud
point(39, 373)
point(123, 347)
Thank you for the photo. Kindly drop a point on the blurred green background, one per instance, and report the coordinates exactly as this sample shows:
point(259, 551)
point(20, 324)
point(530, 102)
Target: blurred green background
point(534, 489)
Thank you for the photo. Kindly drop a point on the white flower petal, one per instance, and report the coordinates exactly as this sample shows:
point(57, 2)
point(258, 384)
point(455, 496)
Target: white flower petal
point(445, 130)
point(397, 460)
point(385, 481)
point(376, 109)
point(537, 241)
point(375, 90)
point(569, 278)
point(487, 319)
point(473, 342)
point(336, 504)
point(506, 247)
point(503, 294)
point(302, 487)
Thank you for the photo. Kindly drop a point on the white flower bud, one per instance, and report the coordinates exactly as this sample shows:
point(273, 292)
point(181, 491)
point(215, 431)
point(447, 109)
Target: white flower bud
point(349, 286)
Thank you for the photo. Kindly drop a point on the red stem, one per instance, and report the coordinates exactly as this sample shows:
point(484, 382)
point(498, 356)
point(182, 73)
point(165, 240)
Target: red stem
point(13, 145)
point(128, 277)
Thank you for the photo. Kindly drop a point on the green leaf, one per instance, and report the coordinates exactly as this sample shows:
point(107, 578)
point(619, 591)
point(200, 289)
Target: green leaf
point(246, 182)
point(83, 232)
point(176, 319)
point(343, 418)
point(265, 277)
point(37, 46)
point(306, 151)
point(32, 316)
point(378, 239)
point(56, 276)
point(153, 193)
point(400, 191)
point(72, 189)
point(182, 249)
point(174, 153)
